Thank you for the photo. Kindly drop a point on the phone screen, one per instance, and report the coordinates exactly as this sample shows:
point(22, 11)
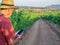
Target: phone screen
point(20, 31)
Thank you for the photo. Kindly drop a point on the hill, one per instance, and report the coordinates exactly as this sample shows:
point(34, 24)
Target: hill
point(57, 6)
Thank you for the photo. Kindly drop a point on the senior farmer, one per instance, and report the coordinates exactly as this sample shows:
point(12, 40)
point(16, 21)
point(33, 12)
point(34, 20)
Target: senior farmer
point(7, 33)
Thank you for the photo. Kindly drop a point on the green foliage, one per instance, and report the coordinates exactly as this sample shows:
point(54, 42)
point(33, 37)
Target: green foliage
point(0, 4)
point(23, 19)
point(52, 16)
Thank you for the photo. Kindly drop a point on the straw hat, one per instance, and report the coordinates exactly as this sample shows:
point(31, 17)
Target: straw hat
point(7, 4)
point(7, 7)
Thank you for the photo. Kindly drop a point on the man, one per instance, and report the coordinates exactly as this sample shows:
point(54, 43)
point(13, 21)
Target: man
point(7, 33)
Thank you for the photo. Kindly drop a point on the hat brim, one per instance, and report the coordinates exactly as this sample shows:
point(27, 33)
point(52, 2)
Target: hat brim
point(7, 6)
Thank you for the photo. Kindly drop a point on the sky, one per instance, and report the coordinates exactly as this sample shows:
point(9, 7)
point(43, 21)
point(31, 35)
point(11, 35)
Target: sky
point(35, 3)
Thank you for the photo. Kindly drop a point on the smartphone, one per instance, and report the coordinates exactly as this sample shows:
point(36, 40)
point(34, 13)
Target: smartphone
point(20, 31)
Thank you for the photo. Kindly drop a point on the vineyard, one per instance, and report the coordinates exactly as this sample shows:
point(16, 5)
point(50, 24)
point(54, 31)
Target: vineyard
point(53, 16)
point(22, 19)
point(0, 4)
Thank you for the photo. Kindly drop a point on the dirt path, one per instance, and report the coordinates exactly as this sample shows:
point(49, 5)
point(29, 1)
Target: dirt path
point(40, 33)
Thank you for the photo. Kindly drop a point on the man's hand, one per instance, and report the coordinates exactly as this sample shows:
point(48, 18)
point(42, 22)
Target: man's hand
point(11, 42)
point(20, 36)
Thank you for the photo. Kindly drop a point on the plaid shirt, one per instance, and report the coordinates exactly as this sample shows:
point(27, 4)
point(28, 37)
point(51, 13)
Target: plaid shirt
point(6, 30)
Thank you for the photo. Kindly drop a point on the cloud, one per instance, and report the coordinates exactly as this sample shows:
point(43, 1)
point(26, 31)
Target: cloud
point(0, 0)
point(36, 3)
point(39, 3)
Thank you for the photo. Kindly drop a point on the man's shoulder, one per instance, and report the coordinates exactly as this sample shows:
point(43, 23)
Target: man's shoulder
point(3, 18)
point(1, 14)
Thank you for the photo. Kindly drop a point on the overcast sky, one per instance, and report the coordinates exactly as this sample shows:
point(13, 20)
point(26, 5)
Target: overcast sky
point(35, 3)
